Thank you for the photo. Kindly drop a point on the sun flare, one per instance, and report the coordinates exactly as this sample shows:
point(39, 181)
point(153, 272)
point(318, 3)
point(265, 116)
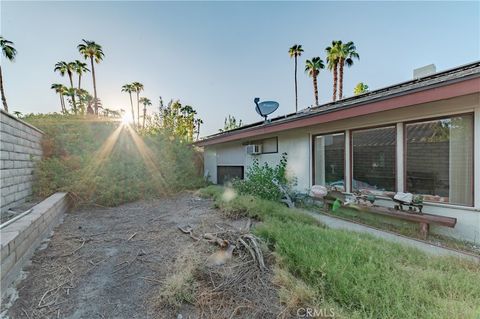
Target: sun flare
point(127, 119)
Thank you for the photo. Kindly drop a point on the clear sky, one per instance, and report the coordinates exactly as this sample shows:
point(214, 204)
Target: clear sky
point(218, 56)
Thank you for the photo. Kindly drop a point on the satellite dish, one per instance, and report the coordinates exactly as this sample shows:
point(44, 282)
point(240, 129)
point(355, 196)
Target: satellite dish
point(265, 108)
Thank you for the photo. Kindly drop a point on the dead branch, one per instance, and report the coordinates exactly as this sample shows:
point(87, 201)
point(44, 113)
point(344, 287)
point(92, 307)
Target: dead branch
point(189, 231)
point(250, 243)
point(211, 238)
point(75, 250)
point(135, 234)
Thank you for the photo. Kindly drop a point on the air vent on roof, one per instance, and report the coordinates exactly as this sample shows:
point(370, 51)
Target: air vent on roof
point(424, 71)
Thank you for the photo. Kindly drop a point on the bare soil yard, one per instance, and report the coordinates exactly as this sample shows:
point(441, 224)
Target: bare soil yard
point(132, 261)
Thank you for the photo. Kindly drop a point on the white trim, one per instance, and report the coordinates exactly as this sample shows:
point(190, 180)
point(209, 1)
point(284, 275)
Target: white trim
point(348, 178)
point(310, 159)
point(400, 158)
point(476, 158)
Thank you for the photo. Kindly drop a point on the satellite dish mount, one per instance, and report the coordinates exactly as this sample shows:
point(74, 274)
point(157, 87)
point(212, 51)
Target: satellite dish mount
point(265, 108)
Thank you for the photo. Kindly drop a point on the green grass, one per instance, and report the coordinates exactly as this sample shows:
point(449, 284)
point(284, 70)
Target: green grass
point(398, 226)
point(361, 276)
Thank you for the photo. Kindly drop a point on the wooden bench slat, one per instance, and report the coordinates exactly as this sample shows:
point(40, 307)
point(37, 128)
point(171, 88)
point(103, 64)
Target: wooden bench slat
point(415, 217)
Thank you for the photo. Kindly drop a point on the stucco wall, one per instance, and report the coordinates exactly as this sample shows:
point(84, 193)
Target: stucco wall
point(297, 144)
point(20, 147)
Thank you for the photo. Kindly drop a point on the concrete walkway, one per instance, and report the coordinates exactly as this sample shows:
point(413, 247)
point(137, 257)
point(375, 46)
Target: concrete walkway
point(338, 223)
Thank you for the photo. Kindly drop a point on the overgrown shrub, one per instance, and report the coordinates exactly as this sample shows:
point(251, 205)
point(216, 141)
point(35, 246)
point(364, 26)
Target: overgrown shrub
point(264, 180)
point(103, 162)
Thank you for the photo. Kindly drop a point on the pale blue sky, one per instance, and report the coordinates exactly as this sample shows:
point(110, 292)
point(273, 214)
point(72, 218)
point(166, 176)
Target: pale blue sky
point(218, 56)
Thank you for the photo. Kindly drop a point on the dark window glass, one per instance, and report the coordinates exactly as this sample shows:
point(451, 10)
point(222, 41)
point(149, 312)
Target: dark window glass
point(373, 153)
point(439, 159)
point(329, 153)
point(227, 173)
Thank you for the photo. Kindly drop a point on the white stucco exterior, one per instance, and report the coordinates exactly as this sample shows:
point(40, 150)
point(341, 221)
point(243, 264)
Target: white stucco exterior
point(297, 143)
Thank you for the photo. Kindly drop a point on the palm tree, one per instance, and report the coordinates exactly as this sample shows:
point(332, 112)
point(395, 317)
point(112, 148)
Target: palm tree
point(332, 64)
point(9, 52)
point(67, 68)
point(347, 52)
point(60, 89)
point(360, 88)
point(80, 68)
point(93, 51)
point(138, 88)
point(146, 102)
point(295, 51)
point(313, 67)
point(71, 93)
point(129, 88)
point(198, 123)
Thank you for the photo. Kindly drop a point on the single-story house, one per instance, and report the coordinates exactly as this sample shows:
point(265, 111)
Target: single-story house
point(421, 136)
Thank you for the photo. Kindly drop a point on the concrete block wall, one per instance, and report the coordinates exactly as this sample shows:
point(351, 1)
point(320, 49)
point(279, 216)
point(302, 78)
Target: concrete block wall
point(19, 149)
point(21, 238)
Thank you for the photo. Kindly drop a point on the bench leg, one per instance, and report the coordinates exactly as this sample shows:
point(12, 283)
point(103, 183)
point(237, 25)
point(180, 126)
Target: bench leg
point(424, 227)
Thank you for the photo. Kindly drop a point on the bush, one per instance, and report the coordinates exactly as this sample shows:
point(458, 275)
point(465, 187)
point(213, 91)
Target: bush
point(263, 180)
point(101, 162)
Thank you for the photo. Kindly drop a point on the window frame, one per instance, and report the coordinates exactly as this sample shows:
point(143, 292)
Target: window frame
point(389, 125)
point(242, 167)
point(270, 138)
point(314, 136)
point(405, 150)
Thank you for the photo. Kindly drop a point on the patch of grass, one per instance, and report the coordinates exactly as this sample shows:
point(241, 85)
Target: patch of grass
point(234, 205)
point(181, 286)
point(359, 275)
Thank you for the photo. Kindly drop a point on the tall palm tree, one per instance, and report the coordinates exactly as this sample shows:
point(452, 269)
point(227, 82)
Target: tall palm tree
point(295, 51)
point(347, 52)
point(138, 88)
point(67, 68)
point(129, 88)
point(146, 102)
point(332, 64)
point(198, 123)
point(313, 67)
point(60, 89)
point(80, 69)
point(9, 52)
point(93, 51)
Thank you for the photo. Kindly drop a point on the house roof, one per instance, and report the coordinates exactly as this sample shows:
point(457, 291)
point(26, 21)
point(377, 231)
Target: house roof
point(458, 81)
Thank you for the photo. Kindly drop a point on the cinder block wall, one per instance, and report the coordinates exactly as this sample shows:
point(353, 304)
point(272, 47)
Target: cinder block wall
point(20, 147)
point(21, 237)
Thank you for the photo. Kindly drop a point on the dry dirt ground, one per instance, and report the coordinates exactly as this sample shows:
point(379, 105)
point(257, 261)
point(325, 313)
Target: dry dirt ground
point(116, 263)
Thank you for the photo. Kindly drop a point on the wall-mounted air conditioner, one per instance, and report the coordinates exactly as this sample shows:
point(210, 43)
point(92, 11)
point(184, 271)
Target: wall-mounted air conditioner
point(254, 149)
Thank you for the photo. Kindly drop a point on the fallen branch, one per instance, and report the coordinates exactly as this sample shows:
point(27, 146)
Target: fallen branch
point(75, 250)
point(135, 234)
point(211, 238)
point(189, 231)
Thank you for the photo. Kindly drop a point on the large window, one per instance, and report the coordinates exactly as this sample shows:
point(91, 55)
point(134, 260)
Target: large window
point(439, 159)
point(373, 158)
point(329, 160)
point(226, 173)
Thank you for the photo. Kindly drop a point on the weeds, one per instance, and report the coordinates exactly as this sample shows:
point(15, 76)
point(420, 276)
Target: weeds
point(358, 275)
point(100, 162)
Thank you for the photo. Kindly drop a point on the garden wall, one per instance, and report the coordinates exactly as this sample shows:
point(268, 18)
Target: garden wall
point(22, 236)
point(20, 147)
